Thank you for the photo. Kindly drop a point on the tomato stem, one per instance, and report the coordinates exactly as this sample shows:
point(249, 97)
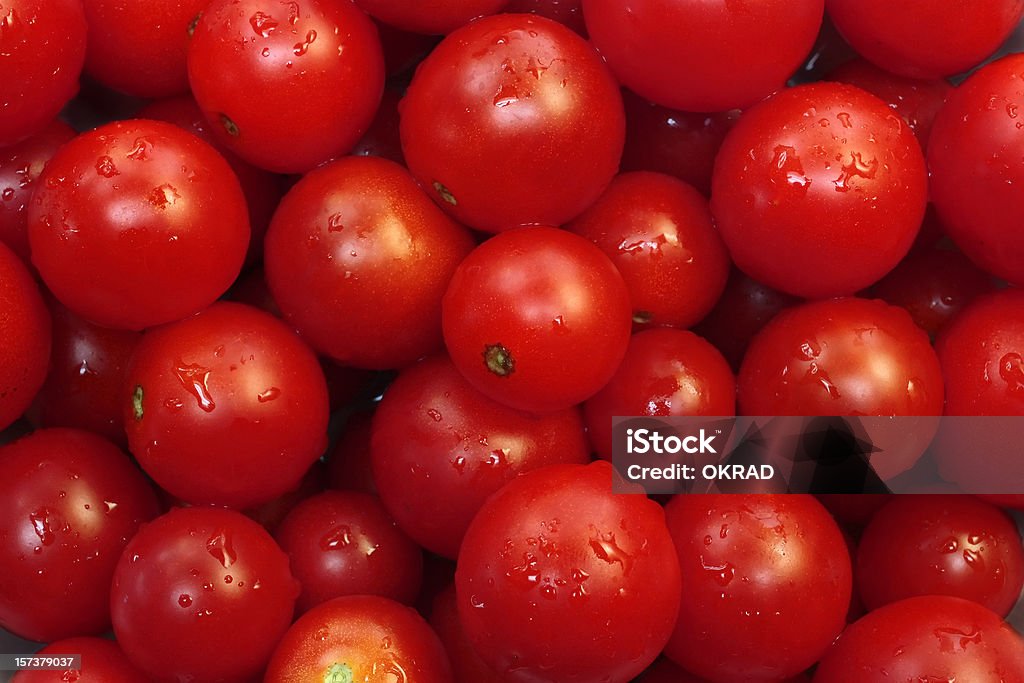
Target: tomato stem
point(499, 360)
point(338, 673)
point(445, 193)
point(230, 126)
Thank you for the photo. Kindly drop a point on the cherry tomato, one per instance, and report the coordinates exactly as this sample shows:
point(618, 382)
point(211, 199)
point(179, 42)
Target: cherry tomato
point(924, 39)
point(25, 329)
point(733, 54)
point(102, 662)
point(226, 407)
point(272, 513)
point(513, 120)
point(568, 12)
point(286, 86)
point(358, 259)
point(819, 191)
point(537, 319)
point(429, 16)
point(440, 449)
point(152, 218)
point(560, 579)
point(467, 666)
point(201, 594)
point(749, 563)
point(937, 637)
point(69, 502)
point(359, 638)
point(665, 372)
point(658, 232)
point(977, 162)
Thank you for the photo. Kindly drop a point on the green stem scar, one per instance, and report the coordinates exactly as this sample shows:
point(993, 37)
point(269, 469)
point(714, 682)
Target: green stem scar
point(137, 402)
point(338, 673)
point(642, 317)
point(230, 126)
point(192, 24)
point(445, 193)
point(499, 360)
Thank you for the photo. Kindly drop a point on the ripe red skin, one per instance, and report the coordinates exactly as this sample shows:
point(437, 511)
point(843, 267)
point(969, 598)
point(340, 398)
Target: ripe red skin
point(286, 86)
point(936, 636)
point(947, 545)
point(201, 594)
point(349, 465)
point(513, 85)
point(382, 138)
point(367, 637)
point(923, 39)
point(977, 171)
point(85, 385)
point(20, 167)
point(467, 667)
point(25, 329)
point(568, 12)
point(272, 513)
point(150, 216)
point(432, 17)
point(743, 309)
point(140, 48)
point(347, 544)
point(44, 48)
point(1008, 500)
point(917, 101)
point(749, 563)
point(681, 144)
point(69, 502)
point(440, 448)
point(537, 319)
point(825, 176)
point(102, 662)
point(731, 57)
point(560, 579)
point(667, 671)
point(665, 372)
point(357, 257)
point(659, 233)
point(227, 407)
point(933, 286)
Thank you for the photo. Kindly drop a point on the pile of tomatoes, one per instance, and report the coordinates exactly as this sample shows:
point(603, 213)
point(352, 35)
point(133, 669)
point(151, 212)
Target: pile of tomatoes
point(314, 316)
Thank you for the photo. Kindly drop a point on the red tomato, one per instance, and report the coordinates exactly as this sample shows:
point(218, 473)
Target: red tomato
point(382, 138)
point(513, 120)
point(69, 502)
point(749, 564)
point(467, 666)
point(226, 407)
point(701, 56)
point(25, 330)
point(102, 662)
point(272, 513)
point(976, 157)
point(537, 319)
point(203, 595)
point(359, 638)
point(819, 191)
point(665, 372)
point(1014, 501)
point(440, 449)
point(152, 218)
point(560, 579)
point(286, 86)
point(358, 258)
point(658, 232)
point(568, 12)
point(922, 38)
point(41, 59)
point(347, 544)
point(937, 637)
point(429, 16)
point(941, 545)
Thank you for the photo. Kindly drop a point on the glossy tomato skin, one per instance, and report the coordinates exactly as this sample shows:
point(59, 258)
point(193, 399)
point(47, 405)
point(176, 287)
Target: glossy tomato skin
point(947, 545)
point(227, 407)
point(659, 233)
point(69, 502)
point(977, 168)
point(560, 579)
point(537, 319)
point(568, 12)
point(25, 328)
point(430, 16)
point(347, 544)
point(216, 588)
point(665, 372)
point(286, 86)
point(732, 55)
point(923, 39)
point(358, 259)
point(748, 563)
point(440, 449)
point(535, 102)
point(359, 638)
point(940, 637)
point(44, 48)
point(140, 48)
point(467, 667)
point(20, 167)
point(150, 216)
point(102, 662)
point(822, 175)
